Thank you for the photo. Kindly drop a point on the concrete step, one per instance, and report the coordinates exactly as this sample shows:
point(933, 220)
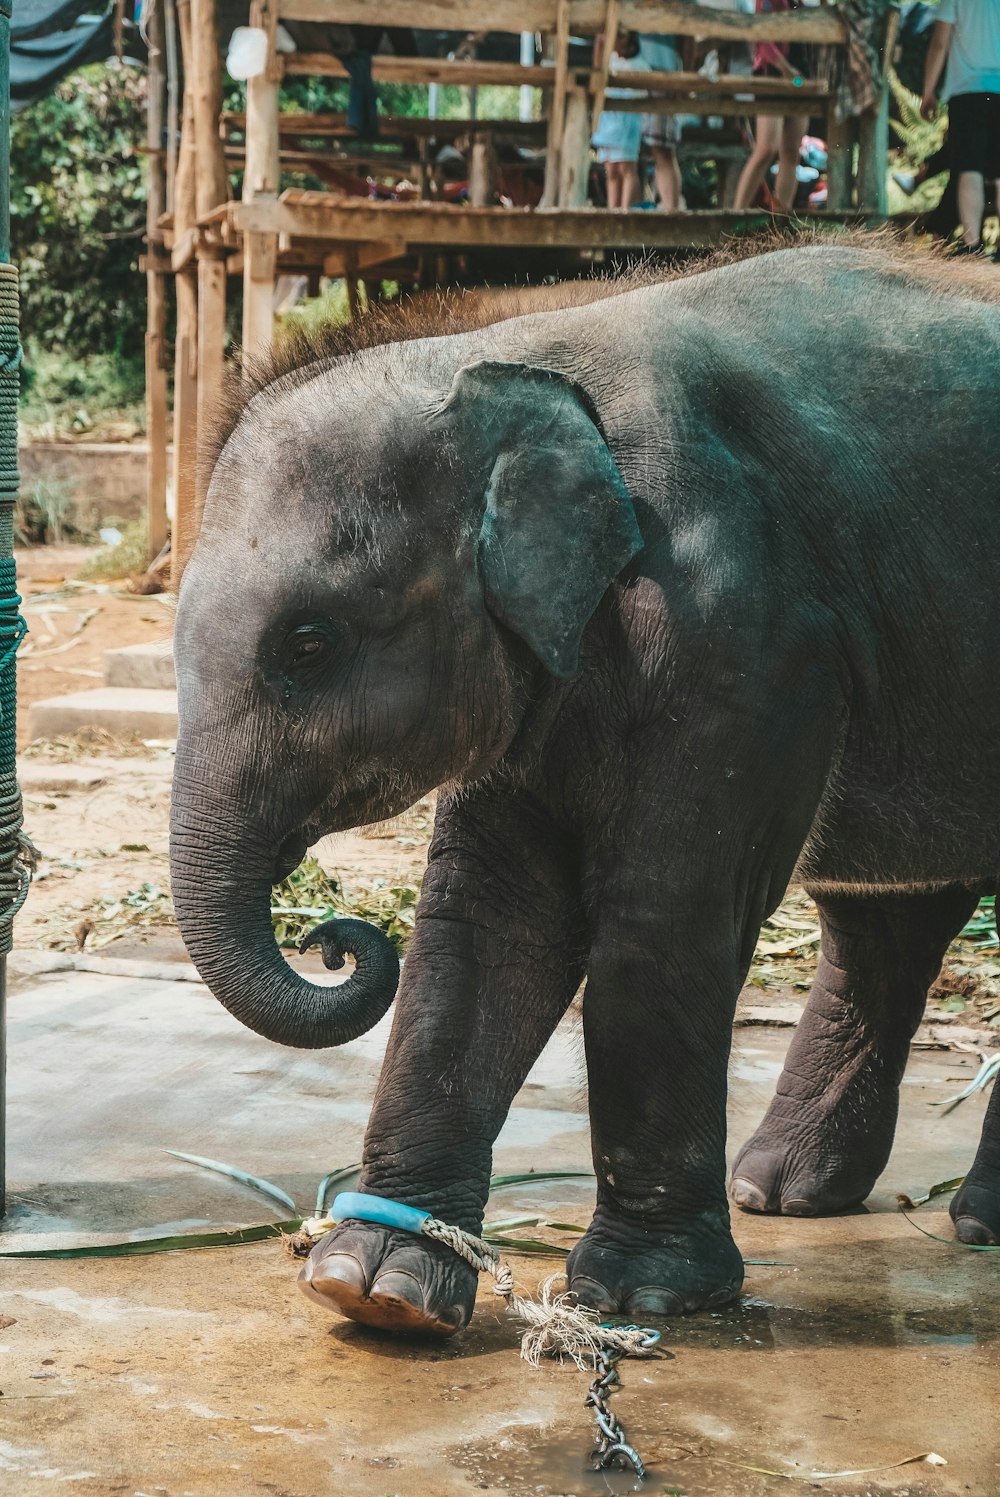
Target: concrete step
point(148, 666)
point(120, 710)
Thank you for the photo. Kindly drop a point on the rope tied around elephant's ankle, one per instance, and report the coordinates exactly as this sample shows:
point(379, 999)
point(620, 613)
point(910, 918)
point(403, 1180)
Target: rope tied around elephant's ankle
point(554, 1324)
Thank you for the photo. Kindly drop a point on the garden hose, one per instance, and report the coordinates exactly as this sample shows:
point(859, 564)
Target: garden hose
point(14, 865)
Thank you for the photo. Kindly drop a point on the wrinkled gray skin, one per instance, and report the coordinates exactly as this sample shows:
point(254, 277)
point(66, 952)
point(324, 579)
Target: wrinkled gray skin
point(677, 593)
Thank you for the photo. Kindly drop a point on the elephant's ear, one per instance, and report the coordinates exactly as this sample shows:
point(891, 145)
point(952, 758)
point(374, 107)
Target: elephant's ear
point(557, 521)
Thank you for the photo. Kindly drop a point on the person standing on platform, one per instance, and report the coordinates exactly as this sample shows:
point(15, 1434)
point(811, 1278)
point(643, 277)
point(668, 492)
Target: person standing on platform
point(618, 136)
point(661, 132)
point(967, 35)
point(775, 135)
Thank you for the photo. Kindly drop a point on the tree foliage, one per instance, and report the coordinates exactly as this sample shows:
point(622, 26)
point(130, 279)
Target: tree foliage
point(78, 203)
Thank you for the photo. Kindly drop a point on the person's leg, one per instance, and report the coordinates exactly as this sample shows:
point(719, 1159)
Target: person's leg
point(668, 178)
point(971, 204)
point(629, 188)
point(970, 117)
point(767, 139)
point(792, 130)
point(611, 183)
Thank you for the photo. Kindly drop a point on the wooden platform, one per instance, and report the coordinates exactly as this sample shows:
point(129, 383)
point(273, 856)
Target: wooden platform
point(202, 239)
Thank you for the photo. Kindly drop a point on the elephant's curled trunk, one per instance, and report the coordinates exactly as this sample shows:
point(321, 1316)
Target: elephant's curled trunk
point(225, 920)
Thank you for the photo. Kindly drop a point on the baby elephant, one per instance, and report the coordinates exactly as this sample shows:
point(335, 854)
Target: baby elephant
point(679, 600)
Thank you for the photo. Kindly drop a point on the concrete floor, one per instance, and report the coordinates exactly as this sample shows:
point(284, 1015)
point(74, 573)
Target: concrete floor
point(206, 1374)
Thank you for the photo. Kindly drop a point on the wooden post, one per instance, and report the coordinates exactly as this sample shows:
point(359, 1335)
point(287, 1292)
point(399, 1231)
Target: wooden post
point(482, 170)
point(211, 363)
point(173, 97)
point(557, 107)
point(185, 528)
point(609, 38)
point(574, 165)
point(261, 179)
point(873, 134)
point(211, 182)
point(211, 191)
point(840, 162)
point(156, 291)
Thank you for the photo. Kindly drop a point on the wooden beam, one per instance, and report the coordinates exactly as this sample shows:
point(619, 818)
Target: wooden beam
point(574, 156)
point(688, 104)
point(662, 17)
point(726, 86)
point(444, 70)
point(356, 221)
point(557, 106)
point(156, 291)
point(840, 163)
point(261, 180)
point(601, 73)
point(361, 257)
point(482, 171)
point(185, 206)
point(211, 368)
point(211, 185)
point(873, 134)
point(392, 130)
point(185, 423)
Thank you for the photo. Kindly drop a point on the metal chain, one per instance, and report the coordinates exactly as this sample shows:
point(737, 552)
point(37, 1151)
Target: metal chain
point(612, 1451)
point(556, 1325)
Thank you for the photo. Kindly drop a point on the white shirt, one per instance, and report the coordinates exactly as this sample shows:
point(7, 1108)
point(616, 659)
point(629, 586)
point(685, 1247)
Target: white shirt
point(974, 58)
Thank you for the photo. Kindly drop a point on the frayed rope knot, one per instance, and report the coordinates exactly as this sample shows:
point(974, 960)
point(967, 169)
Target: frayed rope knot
point(554, 1325)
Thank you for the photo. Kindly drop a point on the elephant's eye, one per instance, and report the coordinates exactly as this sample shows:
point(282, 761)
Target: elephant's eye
point(307, 647)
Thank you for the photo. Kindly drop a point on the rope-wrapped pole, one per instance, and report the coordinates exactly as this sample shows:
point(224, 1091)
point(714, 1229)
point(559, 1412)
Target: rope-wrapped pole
point(13, 871)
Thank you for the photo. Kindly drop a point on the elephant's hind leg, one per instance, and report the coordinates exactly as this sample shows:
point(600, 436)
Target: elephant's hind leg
point(828, 1132)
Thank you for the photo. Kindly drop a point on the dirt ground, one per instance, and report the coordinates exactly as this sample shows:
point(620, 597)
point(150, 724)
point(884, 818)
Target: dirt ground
point(859, 1342)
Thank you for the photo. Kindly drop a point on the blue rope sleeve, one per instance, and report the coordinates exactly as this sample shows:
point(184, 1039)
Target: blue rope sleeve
point(353, 1205)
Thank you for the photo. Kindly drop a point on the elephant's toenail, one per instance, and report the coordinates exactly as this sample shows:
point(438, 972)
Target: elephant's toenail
point(398, 1284)
point(798, 1206)
point(343, 1268)
point(748, 1195)
point(973, 1232)
point(592, 1294)
point(454, 1317)
point(653, 1299)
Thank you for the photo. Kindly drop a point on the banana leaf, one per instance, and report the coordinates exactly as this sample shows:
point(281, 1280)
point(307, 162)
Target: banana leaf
point(253, 1182)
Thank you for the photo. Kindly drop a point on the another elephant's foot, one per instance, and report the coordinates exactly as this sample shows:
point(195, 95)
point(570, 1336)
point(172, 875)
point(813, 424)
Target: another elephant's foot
point(390, 1279)
point(975, 1210)
point(618, 1268)
point(814, 1166)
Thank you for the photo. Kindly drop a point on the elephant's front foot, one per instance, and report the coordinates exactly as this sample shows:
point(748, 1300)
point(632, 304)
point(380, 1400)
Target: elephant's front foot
point(809, 1169)
point(390, 1279)
point(620, 1269)
point(975, 1210)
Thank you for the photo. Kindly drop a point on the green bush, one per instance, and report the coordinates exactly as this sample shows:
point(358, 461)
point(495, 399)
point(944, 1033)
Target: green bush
point(78, 210)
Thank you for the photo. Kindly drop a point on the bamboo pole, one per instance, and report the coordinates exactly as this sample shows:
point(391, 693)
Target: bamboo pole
point(186, 336)
point(261, 179)
point(173, 97)
point(211, 191)
point(607, 46)
point(873, 133)
point(211, 185)
point(557, 107)
point(574, 166)
point(156, 290)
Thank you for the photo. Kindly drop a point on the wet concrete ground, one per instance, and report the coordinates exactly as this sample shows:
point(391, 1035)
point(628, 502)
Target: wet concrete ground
point(206, 1374)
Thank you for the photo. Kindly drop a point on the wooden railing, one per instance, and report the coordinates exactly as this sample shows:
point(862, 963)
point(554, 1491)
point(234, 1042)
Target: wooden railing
point(347, 232)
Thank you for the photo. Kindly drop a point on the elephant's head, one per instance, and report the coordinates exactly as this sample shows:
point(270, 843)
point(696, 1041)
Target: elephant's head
point(384, 572)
